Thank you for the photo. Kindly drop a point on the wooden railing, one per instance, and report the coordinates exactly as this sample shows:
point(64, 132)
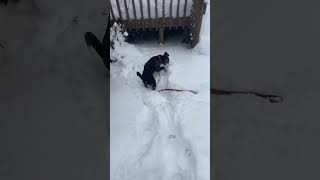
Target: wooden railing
point(188, 15)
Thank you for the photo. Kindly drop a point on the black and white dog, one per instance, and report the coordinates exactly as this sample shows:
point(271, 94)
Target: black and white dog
point(152, 66)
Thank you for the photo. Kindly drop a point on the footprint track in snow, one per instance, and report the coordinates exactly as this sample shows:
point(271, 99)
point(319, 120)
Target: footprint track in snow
point(162, 151)
point(158, 128)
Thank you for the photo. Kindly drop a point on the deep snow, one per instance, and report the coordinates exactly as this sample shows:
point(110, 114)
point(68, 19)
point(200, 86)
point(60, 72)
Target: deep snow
point(161, 136)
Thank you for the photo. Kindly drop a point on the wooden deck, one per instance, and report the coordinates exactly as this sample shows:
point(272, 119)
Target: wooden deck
point(142, 18)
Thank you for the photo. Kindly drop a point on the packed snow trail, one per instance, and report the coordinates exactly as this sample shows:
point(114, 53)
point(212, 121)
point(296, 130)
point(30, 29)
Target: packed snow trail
point(161, 141)
point(163, 150)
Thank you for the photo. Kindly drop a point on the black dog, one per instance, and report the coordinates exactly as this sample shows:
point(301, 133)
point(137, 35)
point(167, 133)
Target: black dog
point(152, 66)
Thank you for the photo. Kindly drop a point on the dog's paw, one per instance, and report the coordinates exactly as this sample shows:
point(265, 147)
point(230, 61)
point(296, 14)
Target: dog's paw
point(163, 68)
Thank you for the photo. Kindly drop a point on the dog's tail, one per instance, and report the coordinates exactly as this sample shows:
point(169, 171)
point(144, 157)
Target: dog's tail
point(138, 74)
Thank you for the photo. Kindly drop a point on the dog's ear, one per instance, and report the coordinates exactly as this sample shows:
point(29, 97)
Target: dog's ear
point(166, 54)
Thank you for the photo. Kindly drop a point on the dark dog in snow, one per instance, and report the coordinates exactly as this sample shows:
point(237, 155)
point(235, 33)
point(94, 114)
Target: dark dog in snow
point(152, 66)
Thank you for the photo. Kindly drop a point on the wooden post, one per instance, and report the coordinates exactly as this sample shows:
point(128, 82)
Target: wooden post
point(197, 20)
point(161, 35)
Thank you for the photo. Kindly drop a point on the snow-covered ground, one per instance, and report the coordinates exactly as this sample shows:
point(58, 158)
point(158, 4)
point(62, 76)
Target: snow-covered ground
point(161, 135)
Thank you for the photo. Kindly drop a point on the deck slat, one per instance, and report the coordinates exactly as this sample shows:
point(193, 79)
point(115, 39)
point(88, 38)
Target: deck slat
point(127, 11)
point(112, 14)
point(142, 17)
point(119, 10)
point(163, 13)
point(141, 9)
point(178, 8)
point(156, 9)
point(134, 10)
point(149, 9)
point(163, 9)
point(185, 8)
point(170, 14)
point(170, 9)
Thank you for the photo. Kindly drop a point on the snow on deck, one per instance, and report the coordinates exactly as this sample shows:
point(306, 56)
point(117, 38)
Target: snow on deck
point(152, 8)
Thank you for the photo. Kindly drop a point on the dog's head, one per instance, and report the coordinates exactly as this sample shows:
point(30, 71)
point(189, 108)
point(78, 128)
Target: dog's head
point(165, 58)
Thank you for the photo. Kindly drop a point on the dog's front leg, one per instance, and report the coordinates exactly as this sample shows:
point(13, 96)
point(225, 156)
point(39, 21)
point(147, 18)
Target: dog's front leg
point(161, 68)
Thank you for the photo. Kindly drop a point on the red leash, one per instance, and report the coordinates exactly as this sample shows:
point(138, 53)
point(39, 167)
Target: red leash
point(179, 90)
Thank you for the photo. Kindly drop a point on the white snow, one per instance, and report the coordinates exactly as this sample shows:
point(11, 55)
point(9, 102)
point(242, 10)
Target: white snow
point(161, 135)
point(152, 8)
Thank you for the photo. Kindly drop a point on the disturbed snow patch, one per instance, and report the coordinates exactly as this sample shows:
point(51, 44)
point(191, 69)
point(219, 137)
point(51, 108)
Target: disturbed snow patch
point(161, 135)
